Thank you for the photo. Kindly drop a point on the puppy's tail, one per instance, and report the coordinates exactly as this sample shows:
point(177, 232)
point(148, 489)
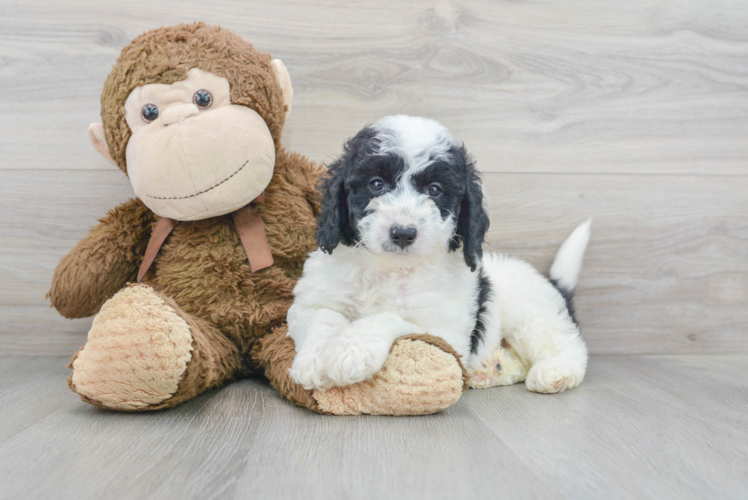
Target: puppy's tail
point(567, 265)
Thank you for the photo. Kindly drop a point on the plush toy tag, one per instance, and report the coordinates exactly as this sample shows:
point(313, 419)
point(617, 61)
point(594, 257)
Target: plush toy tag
point(248, 224)
point(251, 231)
point(163, 229)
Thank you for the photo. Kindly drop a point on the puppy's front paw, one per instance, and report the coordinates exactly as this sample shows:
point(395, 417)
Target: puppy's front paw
point(355, 358)
point(553, 375)
point(422, 375)
point(308, 371)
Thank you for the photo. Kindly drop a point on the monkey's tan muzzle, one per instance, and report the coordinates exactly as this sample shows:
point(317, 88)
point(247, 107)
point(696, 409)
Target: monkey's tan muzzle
point(191, 166)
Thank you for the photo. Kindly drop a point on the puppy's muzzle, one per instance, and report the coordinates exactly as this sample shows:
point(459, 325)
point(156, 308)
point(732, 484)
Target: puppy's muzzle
point(403, 236)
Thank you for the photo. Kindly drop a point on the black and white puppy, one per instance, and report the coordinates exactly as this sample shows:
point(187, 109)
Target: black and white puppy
point(406, 203)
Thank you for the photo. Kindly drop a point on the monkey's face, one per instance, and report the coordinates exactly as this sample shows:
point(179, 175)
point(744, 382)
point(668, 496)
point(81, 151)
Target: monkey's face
point(193, 154)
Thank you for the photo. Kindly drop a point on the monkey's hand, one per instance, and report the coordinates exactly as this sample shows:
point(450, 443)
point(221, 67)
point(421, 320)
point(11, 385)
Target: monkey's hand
point(102, 262)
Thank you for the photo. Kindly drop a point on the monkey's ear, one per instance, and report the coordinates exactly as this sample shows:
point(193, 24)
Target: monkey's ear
point(98, 140)
point(284, 82)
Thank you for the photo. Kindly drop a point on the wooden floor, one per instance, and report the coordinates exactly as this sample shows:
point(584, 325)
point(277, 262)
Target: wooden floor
point(638, 427)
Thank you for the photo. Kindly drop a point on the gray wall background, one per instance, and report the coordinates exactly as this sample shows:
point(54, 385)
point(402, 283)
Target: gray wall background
point(634, 113)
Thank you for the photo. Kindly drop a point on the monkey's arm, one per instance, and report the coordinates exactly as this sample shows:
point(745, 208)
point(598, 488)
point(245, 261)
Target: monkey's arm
point(102, 262)
point(304, 174)
point(313, 172)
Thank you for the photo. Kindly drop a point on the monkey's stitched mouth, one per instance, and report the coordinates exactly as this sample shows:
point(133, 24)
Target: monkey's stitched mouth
point(201, 192)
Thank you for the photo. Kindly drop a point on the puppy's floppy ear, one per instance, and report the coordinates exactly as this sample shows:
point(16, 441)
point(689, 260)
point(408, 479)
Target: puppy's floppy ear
point(473, 221)
point(332, 222)
point(335, 224)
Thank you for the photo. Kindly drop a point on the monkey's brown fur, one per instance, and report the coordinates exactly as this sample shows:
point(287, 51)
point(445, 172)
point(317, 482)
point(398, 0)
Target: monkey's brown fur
point(201, 272)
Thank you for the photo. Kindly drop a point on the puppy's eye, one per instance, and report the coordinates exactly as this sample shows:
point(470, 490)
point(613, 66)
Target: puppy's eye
point(376, 184)
point(149, 113)
point(203, 99)
point(434, 190)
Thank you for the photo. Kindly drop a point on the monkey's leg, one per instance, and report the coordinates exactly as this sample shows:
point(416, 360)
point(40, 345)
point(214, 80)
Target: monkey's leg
point(145, 353)
point(422, 375)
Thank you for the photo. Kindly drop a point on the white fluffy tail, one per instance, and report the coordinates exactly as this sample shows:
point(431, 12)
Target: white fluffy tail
point(568, 262)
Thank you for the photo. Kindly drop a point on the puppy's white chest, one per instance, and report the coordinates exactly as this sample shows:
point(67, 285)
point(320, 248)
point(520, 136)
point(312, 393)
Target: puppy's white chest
point(397, 292)
point(438, 298)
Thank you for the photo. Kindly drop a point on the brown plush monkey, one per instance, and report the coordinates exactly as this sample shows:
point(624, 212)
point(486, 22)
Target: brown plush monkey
point(193, 115)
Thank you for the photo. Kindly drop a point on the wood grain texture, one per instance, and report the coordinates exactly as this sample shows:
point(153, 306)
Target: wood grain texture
point(634, 113)
point(638, 427)
point(667, 267)
point(636, 86)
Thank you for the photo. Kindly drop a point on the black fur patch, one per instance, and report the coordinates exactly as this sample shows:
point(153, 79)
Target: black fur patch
point(386, 166)
point(463, 197)
point(568, 296)
point(346, 191)
point(484, 293)
point(451, 175)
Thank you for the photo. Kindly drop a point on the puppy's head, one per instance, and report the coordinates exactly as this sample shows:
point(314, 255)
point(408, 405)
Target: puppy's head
point(403, 187)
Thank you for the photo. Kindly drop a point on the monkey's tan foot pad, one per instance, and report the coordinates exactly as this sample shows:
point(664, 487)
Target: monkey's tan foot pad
point(137, 352)
point(422, 375)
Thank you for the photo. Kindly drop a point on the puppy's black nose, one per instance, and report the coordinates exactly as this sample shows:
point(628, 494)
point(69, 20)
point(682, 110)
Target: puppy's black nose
point(403, 236)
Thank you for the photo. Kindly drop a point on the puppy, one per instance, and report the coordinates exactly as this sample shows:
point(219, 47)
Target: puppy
point(406, 203)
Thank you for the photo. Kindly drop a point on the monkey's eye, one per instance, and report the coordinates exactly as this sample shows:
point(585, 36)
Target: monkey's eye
point(376, 184)
point(202, 99)
point(434, 190)
point(149, 113)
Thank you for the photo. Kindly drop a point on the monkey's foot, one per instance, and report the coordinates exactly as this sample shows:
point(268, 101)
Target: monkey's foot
point(137, 352)
point(422, 375)
point(504, 368)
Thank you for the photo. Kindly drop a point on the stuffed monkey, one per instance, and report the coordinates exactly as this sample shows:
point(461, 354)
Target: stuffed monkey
point(190, 281)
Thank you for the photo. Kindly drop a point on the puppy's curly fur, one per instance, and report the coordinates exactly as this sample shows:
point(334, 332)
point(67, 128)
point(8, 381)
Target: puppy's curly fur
point(406, 203)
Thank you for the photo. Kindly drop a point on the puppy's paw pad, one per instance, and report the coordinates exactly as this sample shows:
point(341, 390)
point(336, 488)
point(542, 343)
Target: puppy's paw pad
point(550, 376)
point(504, 368)
point(484, 377)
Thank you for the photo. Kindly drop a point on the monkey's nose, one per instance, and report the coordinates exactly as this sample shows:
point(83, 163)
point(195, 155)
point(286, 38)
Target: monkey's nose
point(403, 236)
point(176, 114)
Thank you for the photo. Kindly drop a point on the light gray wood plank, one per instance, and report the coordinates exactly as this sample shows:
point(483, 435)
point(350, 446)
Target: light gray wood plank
point(666, 271)
point(627, 87)
point(638, 427)
point(245, 439)
point(378, 457)
point(32, 388)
